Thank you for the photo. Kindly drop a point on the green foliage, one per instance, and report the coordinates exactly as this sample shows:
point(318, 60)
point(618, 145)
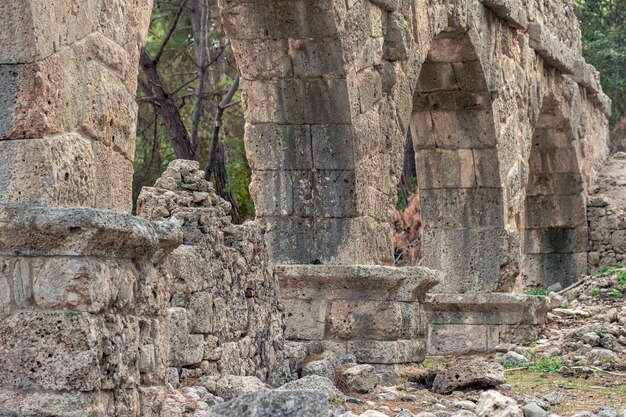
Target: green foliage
point(621, 278)
point(595, 292)
point(603, 28)
point(546, 365)
point(179, 71)
point(537, 292)
point(615, 293)
point(565, 305)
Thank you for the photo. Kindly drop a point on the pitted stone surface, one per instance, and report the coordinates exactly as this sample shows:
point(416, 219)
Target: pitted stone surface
point(223, 310)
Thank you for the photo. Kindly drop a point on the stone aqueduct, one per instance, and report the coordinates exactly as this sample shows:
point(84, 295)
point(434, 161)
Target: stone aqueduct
point(508, 123)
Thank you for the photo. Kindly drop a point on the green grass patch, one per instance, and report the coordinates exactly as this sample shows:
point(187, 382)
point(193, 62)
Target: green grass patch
point(615, 293)
point(595, 292)
point(546, 365)
point(536, 292)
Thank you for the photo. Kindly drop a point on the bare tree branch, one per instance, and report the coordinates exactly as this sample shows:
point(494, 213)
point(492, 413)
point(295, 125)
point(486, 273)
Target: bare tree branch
point(166, 107)
point(170, 32)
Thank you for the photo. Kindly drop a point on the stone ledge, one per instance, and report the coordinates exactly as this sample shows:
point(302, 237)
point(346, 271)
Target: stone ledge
point(510, 10)
point(42, 231)
point(489, 318)
point(551, 49)
point(356, 282)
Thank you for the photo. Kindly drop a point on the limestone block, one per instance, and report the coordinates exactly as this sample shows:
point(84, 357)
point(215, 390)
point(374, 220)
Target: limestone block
point(305, 319)
point(517, 334)
point(185, 348)
point(39, 98)
point(465, 314)
point(387, 352)
point(452, 100)
point(278, 147)
point(372, 320)
point(50, 350)
point(272, 191)
point(188, 269)
point(369, 86)
point(511, 10)
point(324, 193)
point(452, 338)
point(89, 285)
point(57, 171)
point(557, 183)
point(472, 260)
point(556, 240)
point(550, 137)
point(103, 233)
point(114, 178)
point(555, 160)
point(355, 282)
point(263, 59)
point(33, 30)
point(445, 168)
point(437, 76)
point(423, 131)
point(297, 101)
point(547, 269)
point(457, 129)
point(376, 204)
point(555, 211)
point(200, 312)
point(334, 241)
point(462, 208)
point(290, 240)
point(550, 48)
point(313, 58)
point(119, 364)
point(110, 110)
point(486, 164)
point(56, 403)
point(368, 139)
point(470, 75)
point(397, 38)
point(333, 147)
point(298, 19)
point(451, 47)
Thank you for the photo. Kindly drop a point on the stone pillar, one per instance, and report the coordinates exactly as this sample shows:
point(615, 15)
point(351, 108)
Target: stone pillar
point(68, 74)
point(82, 311)
point(321, 164)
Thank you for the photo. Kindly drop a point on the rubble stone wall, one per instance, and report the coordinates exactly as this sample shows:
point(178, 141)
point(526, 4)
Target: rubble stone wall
point(223, 309)
point(607, 236)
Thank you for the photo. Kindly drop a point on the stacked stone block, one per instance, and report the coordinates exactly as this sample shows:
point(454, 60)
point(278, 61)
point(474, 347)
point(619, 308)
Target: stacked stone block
point(458, 171)
point(375, 313)
point(67, 101)
point(607, 233)
point(555, 235)
point(223, 309)
point(82, 310)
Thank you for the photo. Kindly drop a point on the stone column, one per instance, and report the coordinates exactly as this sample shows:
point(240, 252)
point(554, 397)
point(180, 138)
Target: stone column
point(68, 74)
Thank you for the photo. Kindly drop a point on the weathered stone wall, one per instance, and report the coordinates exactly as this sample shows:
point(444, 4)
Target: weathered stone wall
point(223, 310)
point(68, 77)
point(607, 236)
point(329, 102)
point(82, 312)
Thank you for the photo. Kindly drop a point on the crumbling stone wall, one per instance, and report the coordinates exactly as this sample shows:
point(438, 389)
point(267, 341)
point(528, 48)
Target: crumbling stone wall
point(607, 236)
point(223, 310)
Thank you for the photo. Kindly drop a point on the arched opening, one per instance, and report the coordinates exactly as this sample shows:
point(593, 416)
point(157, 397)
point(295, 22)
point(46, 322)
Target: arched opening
point(458, 171)
point(555, 235)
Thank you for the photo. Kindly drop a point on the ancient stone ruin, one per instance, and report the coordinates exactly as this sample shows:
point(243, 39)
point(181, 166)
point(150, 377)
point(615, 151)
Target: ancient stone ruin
point(101, 309)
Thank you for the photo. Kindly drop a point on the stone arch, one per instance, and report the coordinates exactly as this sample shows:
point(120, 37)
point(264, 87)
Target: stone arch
point(555, 219)
point(458, 170)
